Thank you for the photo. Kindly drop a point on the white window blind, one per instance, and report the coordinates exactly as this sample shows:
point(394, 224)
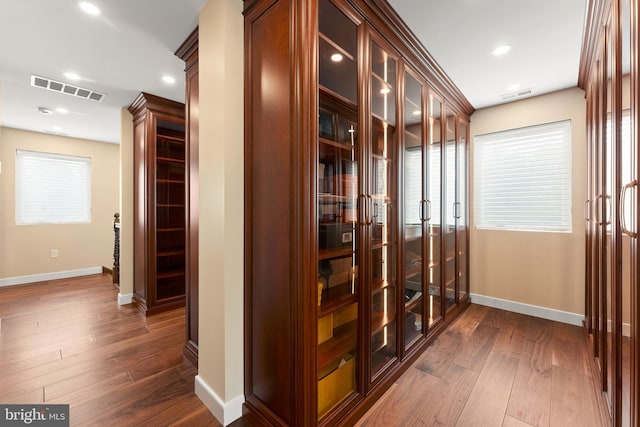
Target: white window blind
point(52, 188)
point(523, 178)
point(413, 185)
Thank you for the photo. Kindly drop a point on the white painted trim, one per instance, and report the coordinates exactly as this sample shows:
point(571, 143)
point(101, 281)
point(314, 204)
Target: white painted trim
point(225, 413)
point(11, 281)
point(626, 328)
point(124, 299)
point(531, 310)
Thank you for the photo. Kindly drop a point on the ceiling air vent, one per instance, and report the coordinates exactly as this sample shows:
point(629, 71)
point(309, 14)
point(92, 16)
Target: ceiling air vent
point(55, 86)
point(517, 94)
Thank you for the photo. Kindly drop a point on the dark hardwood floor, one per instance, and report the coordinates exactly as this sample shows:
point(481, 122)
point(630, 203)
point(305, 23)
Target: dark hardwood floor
point(68, 341)
point(497, 368)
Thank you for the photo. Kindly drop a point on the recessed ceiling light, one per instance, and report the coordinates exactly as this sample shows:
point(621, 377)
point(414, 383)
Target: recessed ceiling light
point(513, 87)
point(501, 50)
point(89, 8)
point(337, 57)
point(168, 79)
point(385, 90)
point(62, 110)
point(71, 75)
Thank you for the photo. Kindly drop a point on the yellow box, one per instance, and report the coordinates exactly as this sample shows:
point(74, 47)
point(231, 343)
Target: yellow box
point(345, 315)
point(336, 386)
point(325, 328)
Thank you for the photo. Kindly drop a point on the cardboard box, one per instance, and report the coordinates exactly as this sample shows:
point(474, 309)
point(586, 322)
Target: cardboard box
point(325, 328)
point(336, 385)
point(345, 315)
point(341, 271)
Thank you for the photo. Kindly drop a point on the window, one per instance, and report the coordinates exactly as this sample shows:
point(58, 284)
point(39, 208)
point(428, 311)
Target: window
point(523, 179)
point(52, 188)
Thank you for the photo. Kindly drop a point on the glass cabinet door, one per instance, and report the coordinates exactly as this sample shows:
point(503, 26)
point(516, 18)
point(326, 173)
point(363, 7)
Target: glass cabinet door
point(415, 210)
point(338, 186)
point(434, 190)
point(449, 210)
point(460, 211)
point(381, 202)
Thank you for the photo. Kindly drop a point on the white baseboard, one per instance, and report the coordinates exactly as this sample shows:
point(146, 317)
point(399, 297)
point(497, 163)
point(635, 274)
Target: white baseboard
point(124, 299)
point(626, 328)
point(531, 310)
point(10, 281)
point(225, 413)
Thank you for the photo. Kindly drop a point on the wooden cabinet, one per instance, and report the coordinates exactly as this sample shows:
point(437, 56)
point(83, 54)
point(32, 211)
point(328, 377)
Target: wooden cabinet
point(188, 52)
point(355, 153)
point(159, 209)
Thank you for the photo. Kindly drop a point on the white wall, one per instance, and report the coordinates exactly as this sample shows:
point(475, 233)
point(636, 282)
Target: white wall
point(25, 249)
point(126, 207)
point(537, 268)
point(220, 381)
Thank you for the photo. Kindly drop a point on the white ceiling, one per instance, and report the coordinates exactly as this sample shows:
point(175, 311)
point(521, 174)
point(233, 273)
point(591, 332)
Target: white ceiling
point(125, 50)
point(545, 35)
point(130, 46)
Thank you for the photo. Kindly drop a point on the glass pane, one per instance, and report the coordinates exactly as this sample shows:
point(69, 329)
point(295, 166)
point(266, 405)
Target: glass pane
point(414, 210)
point(629, 172)
point(337, 62)
point(450, 208)
point(608, 196)
point(461, 211)
point(382, 201)
point(337, 195)
point(433, 196)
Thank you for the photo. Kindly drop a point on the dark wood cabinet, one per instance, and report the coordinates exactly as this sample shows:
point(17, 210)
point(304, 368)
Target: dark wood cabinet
point(188, 52)
point(609, 69)
point(355, 207)
point(159, 207)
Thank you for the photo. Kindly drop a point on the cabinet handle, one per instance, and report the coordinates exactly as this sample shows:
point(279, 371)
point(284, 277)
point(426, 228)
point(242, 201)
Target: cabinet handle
point(371, 210)
point(587, 217)
point(608, 211)
point(426, 217)
point(421, 210)
point(598, 214)
point(456, 210)
point(623, 196)
point(362, 209)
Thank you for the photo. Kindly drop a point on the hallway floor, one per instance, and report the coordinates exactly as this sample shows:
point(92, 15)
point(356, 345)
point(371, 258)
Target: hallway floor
point(497, 368)
point(68, 341)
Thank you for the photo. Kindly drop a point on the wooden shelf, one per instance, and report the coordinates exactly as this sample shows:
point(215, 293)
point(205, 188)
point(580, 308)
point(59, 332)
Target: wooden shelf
point(169, 229)
point(380, 320)
point(171, 273)
point(169, 181)
point(413, 271)
point(336, 144)
point(408, 306)
point(343, 341)
point(335, 298)
point(162, 136)
point(328, 92)
point(168, 253)
point(334, 253)
point(169, 160)
point(378, 285)
point(170, 205)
